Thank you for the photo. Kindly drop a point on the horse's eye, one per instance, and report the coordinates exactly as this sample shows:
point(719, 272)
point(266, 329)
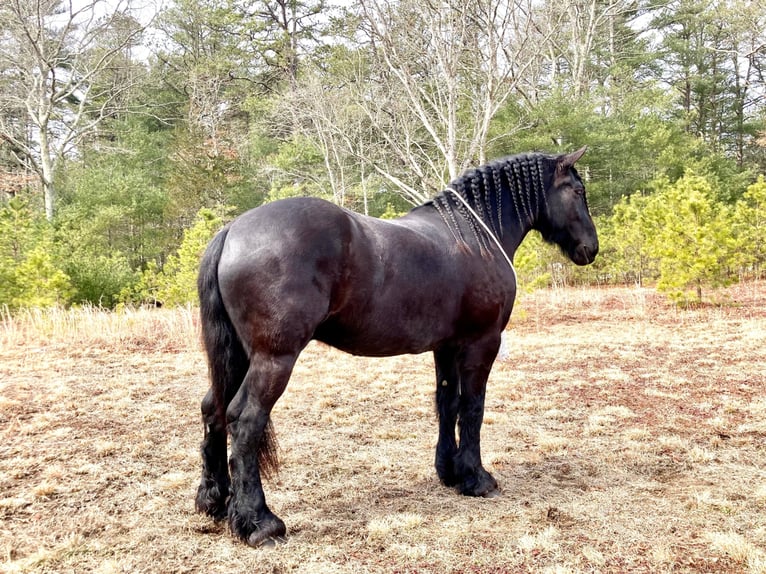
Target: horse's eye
point(579, 190)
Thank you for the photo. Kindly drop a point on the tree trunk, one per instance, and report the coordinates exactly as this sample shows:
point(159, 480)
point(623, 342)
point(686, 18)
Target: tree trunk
point(47, 168)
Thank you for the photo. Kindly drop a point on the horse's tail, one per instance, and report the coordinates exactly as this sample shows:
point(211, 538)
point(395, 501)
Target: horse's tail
point(226, 357)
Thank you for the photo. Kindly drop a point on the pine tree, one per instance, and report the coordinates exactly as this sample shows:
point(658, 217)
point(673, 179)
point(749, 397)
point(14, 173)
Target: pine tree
point(693, 238)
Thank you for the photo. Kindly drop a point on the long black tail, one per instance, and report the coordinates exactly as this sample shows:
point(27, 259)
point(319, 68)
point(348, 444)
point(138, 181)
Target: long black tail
point(227, 359)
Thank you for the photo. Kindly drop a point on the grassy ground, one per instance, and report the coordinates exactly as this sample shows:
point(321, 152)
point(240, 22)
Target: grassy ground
point(626, 435)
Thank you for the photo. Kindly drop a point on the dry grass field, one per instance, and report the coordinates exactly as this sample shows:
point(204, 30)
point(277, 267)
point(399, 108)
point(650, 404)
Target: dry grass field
point(626, 435)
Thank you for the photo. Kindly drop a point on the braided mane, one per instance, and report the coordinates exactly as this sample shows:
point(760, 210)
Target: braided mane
point(512, 185)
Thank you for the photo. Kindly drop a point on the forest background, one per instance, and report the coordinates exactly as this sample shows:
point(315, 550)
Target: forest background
point(129, 133)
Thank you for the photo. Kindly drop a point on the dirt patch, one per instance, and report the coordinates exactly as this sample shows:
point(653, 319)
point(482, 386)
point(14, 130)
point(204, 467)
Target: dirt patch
point(626, 435)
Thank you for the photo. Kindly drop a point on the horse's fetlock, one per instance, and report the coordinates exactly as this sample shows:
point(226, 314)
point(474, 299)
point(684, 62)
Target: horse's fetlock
point(212, 499)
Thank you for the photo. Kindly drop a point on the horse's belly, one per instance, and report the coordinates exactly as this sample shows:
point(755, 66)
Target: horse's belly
point(382, 339)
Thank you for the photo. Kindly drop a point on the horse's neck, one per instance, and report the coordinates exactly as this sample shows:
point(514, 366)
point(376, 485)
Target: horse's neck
point(470, 211)
point(514, 233)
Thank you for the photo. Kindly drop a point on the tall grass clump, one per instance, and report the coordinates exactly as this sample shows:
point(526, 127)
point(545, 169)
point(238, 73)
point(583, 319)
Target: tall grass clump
point(130, 327)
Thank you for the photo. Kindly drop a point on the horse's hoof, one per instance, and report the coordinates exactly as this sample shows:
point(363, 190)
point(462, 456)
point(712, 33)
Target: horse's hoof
point(482, 484)
point(257, 540)
point(269, 533)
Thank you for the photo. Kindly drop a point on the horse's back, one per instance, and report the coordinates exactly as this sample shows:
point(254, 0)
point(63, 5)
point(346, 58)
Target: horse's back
point(306, 224)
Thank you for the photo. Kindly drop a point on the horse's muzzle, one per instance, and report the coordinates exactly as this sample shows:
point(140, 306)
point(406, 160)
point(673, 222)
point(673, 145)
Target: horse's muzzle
point(584, 254)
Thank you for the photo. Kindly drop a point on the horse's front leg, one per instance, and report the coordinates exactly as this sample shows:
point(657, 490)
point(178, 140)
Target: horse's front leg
point(474, 365)
point(447, 397)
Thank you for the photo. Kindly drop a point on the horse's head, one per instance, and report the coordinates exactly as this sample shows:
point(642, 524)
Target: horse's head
point(567, 221)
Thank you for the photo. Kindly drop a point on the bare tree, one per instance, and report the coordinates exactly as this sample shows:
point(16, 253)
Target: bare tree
point(63, 71)
point(440, 73)
point(578, 29)
point(325, 113)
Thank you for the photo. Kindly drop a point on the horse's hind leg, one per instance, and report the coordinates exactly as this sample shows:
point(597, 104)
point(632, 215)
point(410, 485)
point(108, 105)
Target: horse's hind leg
point(253, 449)
point(214, 485)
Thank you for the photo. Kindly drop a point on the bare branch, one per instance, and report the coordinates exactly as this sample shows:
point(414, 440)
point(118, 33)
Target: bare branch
point(55, 58)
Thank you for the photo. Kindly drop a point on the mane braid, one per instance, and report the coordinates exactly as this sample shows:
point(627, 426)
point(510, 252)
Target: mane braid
point(444, 208)
point(488, 200)
point(498, 199)
point(509, 176)
point(528, 187)
point(478, 205)
point(474, 228)
point(541, 183)
point(521, 184)
point(534, 173)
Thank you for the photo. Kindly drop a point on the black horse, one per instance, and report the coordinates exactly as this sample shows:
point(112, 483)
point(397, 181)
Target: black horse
point(437, 279)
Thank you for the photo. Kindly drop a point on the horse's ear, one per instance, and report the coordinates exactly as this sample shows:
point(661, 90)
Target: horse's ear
point(564, 162)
